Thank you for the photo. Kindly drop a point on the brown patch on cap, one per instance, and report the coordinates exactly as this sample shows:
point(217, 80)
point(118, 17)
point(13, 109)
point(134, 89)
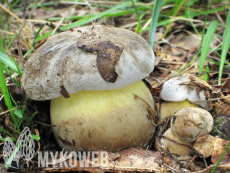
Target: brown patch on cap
point(64, 92)
point(108, 55)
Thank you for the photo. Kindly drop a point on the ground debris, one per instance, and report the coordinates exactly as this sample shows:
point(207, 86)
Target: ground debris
point(131, 160)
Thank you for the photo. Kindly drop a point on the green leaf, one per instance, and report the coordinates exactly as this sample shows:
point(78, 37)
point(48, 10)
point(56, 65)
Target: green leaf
point(18, 113)
point(35, 137)
point(205, 77)
point(5, 59)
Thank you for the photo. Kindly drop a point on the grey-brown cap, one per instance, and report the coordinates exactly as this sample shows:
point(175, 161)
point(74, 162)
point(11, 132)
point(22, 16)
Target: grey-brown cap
point(87, 58)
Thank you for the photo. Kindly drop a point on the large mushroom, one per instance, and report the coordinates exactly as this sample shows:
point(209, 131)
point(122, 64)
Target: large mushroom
point(92, 75)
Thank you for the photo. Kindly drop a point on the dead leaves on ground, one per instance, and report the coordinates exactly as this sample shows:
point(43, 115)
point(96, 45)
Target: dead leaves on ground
point(132, 159)
point(139, 160)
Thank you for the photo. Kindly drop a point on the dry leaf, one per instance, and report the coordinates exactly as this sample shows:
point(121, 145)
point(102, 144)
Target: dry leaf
point(108, 55)
point(227, 111)
point(219, 147)
point(131, 160)
point(226, 86)
point(205, 145)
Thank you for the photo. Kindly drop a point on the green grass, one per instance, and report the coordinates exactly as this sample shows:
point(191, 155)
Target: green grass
point(137, 30)
point(225, 46)
point(174, 12)
point(155, 15)
point(206, 44)
point(7, 99)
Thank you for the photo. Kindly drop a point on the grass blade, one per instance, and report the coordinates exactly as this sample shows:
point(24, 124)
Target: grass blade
point(35, 137)
point(185, 17)
point(175, 10)
point(8, 62)
point(155, 16)
point(225, 46)
point(204, 26)
point(30, 119)
point(206, 45)
point(91, 19)
point(8, 133)
point(6, 139)
point(9, 44)
point(7, 96)
point(138, 18)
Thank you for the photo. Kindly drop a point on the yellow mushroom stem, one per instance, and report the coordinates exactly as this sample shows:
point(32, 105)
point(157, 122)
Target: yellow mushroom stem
point(169, 108)
point(168, 145)
point(104, 120)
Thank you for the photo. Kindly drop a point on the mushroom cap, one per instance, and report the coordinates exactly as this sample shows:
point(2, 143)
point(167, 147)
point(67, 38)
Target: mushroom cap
point(190, 123)
point(87, 58)
point(175, 89)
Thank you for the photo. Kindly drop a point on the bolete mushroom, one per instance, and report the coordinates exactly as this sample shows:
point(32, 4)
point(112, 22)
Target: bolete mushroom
point(182, 92)
point(98, 70)
point(190, 123)
point(169, 145)
point(186, 126)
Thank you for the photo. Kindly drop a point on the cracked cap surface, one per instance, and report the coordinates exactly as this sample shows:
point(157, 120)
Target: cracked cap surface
point(87, 58)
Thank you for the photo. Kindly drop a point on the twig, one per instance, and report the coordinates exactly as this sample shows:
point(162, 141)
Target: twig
point(171, 62)
point(18, 41)
point(194, 150)
point(9, 110)
point(13, 130)
point(39, 145)
point(58, 25)
point(187, 167)
point(9, 12)
point(6, 32)
point(169, 167)
point(45, 124)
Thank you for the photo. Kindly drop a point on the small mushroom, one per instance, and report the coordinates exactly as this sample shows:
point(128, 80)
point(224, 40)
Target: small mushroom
point(182, 92)
point(98, 70)
point(190, 123)
point(171, 145)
